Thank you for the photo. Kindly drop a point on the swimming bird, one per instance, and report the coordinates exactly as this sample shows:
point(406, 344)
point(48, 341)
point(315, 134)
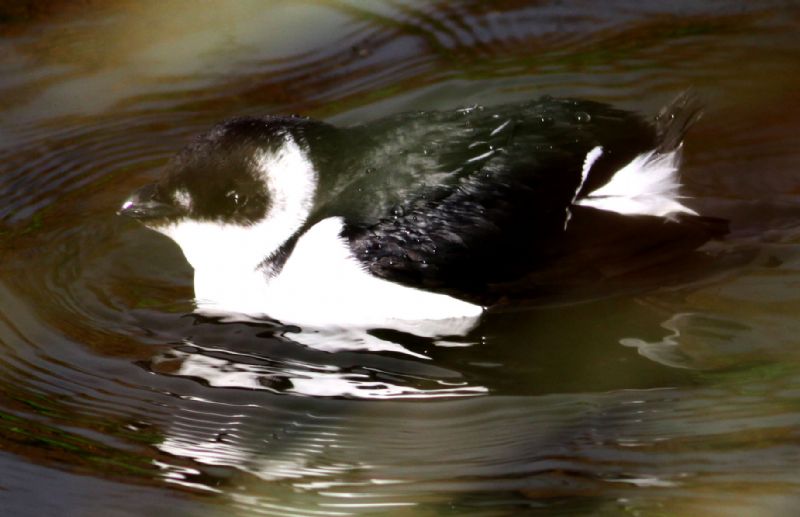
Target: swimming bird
point(422, 216)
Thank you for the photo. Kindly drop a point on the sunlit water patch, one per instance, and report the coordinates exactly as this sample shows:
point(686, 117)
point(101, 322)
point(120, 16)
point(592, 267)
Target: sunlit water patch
point(115, 398)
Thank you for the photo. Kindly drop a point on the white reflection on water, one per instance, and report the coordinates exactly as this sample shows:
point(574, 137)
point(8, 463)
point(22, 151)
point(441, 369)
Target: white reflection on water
point(332, 338)
point(315, 380)
point(666, 351)
point(748, 315)
point(180, 476)
point(341, 340)
point(360, 386)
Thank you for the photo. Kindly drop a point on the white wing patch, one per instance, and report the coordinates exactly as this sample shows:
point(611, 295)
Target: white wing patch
point(591, 157)
point(648, 185)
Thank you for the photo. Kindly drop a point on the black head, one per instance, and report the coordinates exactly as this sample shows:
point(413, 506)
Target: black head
point(222, 176)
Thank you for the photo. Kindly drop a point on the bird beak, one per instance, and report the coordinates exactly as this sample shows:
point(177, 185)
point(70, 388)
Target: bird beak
point(144, 204)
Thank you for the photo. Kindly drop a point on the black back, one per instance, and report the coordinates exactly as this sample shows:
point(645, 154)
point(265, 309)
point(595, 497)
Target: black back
point(476, 201)
point(464, 200)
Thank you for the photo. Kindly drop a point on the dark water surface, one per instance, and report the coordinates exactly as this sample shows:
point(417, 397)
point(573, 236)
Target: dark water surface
point(115, 400)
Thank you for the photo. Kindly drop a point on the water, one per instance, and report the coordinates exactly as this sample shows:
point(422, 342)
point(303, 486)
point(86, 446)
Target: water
point(115, 400)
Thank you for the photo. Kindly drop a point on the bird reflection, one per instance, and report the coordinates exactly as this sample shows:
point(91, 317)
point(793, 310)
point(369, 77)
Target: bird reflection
point(294, 361)
point(240, 420)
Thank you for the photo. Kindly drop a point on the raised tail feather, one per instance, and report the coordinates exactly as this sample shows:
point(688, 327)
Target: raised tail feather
point(649, 184)
point(674, 120)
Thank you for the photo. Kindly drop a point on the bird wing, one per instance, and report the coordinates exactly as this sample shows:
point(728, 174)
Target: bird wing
point(382, 167)
point(456, 201)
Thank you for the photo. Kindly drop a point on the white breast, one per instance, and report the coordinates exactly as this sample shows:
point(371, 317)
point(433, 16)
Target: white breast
point(323, 285)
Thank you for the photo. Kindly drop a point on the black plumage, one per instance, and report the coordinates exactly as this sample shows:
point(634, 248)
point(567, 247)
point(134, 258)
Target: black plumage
point(476, 203)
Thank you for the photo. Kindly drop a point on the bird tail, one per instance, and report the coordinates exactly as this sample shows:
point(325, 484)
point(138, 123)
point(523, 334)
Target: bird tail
point(649, 184)
point(674, 120)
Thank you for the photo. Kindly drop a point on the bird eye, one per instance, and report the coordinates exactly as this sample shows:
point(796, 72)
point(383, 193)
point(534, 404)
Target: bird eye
point(239, 200)
point(182, 199)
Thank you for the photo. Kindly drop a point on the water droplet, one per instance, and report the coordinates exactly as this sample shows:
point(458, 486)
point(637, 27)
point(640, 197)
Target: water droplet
point(582, 117)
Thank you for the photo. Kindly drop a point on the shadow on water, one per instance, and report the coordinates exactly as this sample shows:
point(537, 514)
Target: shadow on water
point(115, 398)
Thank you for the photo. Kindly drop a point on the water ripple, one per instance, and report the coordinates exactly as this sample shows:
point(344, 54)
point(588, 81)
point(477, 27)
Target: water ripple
point(108, 376)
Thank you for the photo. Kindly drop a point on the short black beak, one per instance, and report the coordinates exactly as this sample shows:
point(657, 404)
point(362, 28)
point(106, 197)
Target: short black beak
point(145, 204)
